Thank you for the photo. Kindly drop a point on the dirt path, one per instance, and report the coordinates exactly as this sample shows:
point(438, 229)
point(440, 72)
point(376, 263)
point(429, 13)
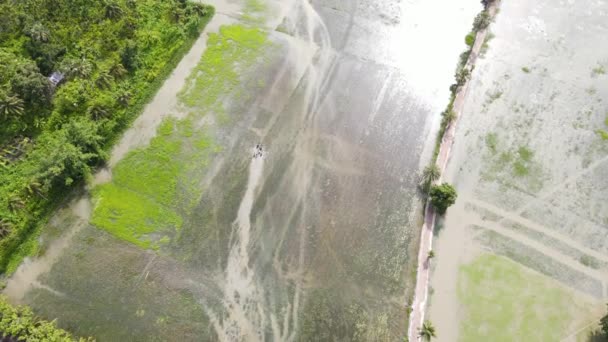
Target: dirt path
point(426, 238)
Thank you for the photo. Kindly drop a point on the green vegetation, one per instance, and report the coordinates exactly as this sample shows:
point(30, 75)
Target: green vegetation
point(462, 74)
point(430, 174)
point(442, 196)
point(152, 188)
point(469, 39)
point(598, 70)
point(603, 133)
point(515, 167)
point(482, 21)
point(114, 55)
point(526, 70)
point(236, 48)
point(427, 332)
point(21, 324)
point(486, 43)
point(506, 302)
point(492, 142)
point(493, 96)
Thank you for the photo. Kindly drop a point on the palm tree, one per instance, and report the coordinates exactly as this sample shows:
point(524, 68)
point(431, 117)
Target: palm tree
point(124, 98)
point(10, 105)
point(104, 80)
point(462, 75)
point(15, 203)
point(176, 14)
point(427, 331)
point(199, 9)
point(449, 116)
point(5, 227)
point(75, 67)
point(118, 71)
point(430, 174)
point(98, 111)
point(38, 33)
point(112, 9)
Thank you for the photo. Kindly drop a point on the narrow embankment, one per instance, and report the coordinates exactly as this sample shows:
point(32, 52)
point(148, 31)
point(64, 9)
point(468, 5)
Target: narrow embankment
point(447, 140)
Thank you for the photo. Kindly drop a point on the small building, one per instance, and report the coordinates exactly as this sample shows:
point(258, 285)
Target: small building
point(56, 78)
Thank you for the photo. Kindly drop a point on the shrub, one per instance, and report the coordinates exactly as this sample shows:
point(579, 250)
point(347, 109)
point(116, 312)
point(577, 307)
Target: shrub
point(470, 39)
point(482, 20)
point(442, 196)
point(21, 324)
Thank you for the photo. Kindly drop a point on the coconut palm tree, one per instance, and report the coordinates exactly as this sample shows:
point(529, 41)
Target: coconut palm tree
point(118, 71)
point(104, 80)
point(462, 75)
point(449, 116)
point(76, 67)
point(427, 331)
point(15, 203)
point(124, 98)
point(98, 111)
point(38, 33)
point(112, 9)
point(10, 105)
point(430, 174)
point(5, 227)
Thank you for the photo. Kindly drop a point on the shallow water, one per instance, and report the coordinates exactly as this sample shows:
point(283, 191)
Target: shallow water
point(528, 161)
point(314, 240)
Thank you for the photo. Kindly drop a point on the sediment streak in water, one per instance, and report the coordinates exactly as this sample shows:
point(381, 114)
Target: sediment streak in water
point(248, 315)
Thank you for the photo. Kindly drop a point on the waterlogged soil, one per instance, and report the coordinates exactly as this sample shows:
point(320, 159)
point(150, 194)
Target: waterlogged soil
point(529, 163)
point(276, 199)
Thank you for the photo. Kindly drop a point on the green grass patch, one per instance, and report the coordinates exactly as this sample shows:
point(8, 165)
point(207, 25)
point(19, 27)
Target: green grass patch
point(131, 216)
point(526, 70)
point(492, 141)
point(603, 134)
point(505, 302)
point(520, 169)
point(155, 187)
point(598, 70)
point(525, 154)
point(494, 96)
point(151, 171)
point(234, 49)
point(514, 167)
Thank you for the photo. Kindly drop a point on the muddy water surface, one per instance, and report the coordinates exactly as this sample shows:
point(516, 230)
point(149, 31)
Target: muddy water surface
point(528, 163)
point(315, 238)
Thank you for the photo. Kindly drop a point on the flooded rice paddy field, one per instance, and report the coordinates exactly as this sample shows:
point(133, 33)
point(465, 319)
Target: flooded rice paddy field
point(269, 192)
point(524, 253)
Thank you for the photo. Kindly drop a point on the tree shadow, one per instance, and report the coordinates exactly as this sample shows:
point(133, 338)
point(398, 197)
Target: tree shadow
point(439, 224)
point(597, 336)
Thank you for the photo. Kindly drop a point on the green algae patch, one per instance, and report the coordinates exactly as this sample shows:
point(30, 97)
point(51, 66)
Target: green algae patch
point(130, 216)
point(514, 167)
point(229, 53)
point(503, 301)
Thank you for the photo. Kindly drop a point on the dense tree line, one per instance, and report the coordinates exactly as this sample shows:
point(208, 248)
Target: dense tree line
point(20, 324)
point(111, 56)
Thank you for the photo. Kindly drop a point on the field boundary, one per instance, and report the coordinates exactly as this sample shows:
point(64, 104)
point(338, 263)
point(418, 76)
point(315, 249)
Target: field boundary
point(418, 308)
